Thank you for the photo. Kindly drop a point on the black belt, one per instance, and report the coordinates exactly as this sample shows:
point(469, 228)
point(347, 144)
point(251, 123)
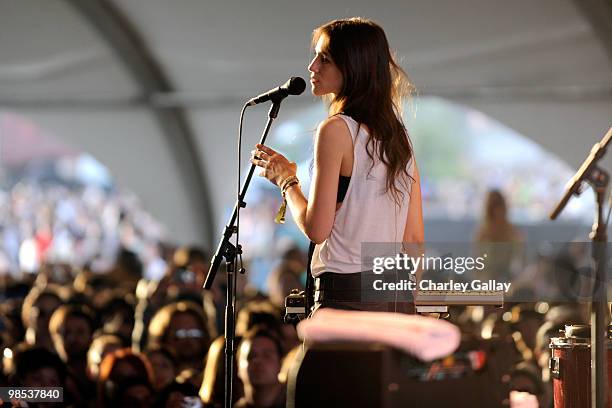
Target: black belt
point(349, 287)
point(338, 281)
point(354, 281)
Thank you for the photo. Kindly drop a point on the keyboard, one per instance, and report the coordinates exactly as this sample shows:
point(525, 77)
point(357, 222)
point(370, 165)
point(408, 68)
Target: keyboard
point(431, 301)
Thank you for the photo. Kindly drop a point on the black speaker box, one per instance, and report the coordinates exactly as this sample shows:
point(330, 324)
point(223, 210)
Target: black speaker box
point(377, 376)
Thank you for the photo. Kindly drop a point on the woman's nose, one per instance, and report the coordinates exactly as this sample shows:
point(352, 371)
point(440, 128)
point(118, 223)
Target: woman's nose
point(313, 67)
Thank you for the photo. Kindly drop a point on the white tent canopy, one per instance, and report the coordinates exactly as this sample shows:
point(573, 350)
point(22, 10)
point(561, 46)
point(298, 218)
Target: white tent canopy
point(153, 88)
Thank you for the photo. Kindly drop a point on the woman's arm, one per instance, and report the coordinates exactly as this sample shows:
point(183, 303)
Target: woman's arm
point(314, 217)
point(414, 234)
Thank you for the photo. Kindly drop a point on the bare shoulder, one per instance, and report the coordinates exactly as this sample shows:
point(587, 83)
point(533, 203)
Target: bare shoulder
point(334, 131)
point(333, 124)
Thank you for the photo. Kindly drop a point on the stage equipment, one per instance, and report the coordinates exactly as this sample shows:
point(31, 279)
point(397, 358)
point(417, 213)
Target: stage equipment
point(295, 307)
point(225, 248)
point(599, 179)
point(294, 86)
point(438, 301)
point(372, 375)
point(570, 367)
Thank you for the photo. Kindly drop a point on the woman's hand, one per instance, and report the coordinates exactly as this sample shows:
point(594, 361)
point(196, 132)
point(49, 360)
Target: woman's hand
point(276, 167)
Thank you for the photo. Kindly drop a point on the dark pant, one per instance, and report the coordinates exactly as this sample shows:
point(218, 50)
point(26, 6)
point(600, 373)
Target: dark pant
point(345, 292)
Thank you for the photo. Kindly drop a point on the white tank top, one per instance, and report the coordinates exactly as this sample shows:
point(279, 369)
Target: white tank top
point(368, 214)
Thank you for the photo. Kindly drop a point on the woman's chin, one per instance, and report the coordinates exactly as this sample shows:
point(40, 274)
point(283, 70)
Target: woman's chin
point(318, 91)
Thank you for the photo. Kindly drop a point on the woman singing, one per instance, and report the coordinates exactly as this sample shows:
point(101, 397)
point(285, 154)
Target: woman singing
point(365, 183)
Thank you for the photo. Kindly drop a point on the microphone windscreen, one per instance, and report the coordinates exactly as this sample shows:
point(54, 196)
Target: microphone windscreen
point(296, 86)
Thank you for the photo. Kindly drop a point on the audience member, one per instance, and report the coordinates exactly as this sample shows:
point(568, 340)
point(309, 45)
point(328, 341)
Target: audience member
point(259, 362)
point(132, 392)
point(71, 328)
point(100, 347)
point(38, 367)
point(117, 316)
point(183, 281)
point(181, 328)
point(36, 313)
point(212, 389)
point(495, 226)
point(178, 395)
point(164, 370)
point(499, 239)
point(118, 367)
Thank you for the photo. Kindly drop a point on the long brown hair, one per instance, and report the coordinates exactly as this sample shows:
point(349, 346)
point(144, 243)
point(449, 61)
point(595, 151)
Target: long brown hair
point(372, 91)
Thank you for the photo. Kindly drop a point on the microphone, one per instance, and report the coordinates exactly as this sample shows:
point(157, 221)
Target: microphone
point(294, 86)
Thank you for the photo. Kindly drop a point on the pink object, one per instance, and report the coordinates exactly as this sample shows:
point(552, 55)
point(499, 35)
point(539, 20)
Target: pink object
point(423, 337)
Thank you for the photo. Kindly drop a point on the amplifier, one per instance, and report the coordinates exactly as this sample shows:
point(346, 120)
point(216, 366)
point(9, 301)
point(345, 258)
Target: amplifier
point(373, 375)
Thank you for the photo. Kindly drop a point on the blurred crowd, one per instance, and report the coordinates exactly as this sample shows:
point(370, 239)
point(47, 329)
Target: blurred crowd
point(112, 334)
point(84, 226)
point(113, 339)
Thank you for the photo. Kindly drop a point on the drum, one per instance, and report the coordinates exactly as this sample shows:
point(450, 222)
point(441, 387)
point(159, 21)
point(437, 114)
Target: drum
point(570, 367)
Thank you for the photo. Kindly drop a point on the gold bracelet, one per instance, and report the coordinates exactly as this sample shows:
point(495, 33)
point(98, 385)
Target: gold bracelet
point(288, 182)
point(283, 183)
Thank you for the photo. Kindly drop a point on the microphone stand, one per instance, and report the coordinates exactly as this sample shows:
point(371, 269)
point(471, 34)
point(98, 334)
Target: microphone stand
point(227, 250)
point(599, 180)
